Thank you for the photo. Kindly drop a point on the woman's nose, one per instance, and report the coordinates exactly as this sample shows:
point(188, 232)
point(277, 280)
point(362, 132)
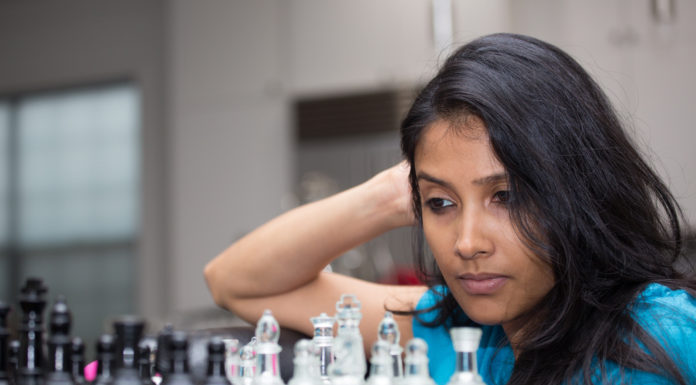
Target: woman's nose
point(473, 240)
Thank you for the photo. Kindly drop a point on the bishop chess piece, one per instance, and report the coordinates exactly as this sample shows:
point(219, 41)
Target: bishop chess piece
point(232, 361)
point(59, 345)
point(216, 374)
point(465, 341)
point(144, 364)
point(349, 365)
point(77, 361)
point(305, 364)
point(178, 370)
point(267, 350)
point(247, 367)
point(416, 364)
point(381, 366)
point(4, 335)
point(129, 331)
point(31, 354)
point(106, 358)
point(388, 331)
point(323, 340)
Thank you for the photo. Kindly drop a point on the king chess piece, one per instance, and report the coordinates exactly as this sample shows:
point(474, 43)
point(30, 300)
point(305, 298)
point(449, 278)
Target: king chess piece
point(323, 340)
point(465, 341)
point(416, 364)
point(59, 345)
point(216, 374)
point(267, 350)
point(388, 331)
point(31, 354)
point(349, 365)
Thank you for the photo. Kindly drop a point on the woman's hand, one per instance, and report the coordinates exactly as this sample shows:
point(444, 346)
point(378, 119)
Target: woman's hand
point(393, 186)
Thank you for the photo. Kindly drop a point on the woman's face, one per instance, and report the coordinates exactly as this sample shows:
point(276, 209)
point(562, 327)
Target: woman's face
point(493, 276)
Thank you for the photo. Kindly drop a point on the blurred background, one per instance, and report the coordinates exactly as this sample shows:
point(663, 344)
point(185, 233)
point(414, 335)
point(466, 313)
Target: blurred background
point(139, 138)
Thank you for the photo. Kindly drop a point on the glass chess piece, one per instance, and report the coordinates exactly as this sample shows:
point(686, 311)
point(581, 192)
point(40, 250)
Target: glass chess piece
point(388, 331)
point(381, 365)
point(323, 340)
point(416, 369)
point(465, 341)
point(59, 345)
point(232, 362)
point(247, 367)
point(267, 350)
point(349, 365)
point(305, 364)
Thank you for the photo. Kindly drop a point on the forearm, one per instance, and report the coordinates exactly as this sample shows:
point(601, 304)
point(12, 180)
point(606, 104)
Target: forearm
point(290, 251)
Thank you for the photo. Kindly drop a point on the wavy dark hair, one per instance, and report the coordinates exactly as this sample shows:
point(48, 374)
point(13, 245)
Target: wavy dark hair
point(580, 195)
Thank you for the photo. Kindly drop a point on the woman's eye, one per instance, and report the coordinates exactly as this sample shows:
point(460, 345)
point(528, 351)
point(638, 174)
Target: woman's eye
point(501, 196)
point(437, 204)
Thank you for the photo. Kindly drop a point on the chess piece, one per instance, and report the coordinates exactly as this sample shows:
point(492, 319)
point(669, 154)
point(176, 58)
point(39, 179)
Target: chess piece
point(381, 367)
point(128, 331)
point(305, 370)
point(388, 331)
point(31, 354)
point(59, 345)
point(77, 361)
point(4, 335)
point(13, 360)
point(178, 368)
point(217, 374)
point(323, 340)
point(144, 364)
point(417, 372)
point(163, 357)
point(465, 341)
point(267, 350)
point(247, 368)
point(232, 362)
point(349, 363)
point(106, 357)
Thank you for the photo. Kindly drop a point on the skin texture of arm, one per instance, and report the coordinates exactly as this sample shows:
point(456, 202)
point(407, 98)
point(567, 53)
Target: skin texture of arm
point(279, 265)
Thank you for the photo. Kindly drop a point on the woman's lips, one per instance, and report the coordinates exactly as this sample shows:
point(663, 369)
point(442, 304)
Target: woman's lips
point(479, 284)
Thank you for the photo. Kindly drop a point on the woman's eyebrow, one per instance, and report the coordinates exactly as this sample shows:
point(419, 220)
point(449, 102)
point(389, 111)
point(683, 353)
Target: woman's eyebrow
point(432, 179)
point(489, 179)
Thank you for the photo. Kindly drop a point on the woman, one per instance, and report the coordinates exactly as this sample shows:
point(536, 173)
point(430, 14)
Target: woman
point(546, 228)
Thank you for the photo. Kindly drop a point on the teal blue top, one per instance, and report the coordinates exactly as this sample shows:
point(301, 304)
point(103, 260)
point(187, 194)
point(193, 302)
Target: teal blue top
point(668, 315)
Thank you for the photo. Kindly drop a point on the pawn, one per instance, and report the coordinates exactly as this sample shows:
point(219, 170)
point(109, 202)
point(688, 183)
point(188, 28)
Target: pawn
point(106, 357)
point(417, 372)
point(267, 350)
point(381, 367)
point(144, 364)
point(465, 341)
point(247, 368)
point(4, 335)
point(305, 364)
point(178, 368)
point(13, 359)
point(77, 361)
point(59, 345)
point(388, 331)
point(232, 362)
point(216, 363)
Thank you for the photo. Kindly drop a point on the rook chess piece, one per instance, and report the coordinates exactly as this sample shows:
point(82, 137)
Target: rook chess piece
point(216, 363)
point(267, 350)
point(323, 340)
point(178, 369)
point(465, 341)
point(59, 345)
point(144, 363)
point(417, 372)
point(129, 331)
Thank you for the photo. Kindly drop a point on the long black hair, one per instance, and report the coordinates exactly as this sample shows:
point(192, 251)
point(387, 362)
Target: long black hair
point(580, 195)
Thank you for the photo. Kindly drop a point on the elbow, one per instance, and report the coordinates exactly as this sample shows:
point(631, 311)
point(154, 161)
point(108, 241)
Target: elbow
point(214, 284)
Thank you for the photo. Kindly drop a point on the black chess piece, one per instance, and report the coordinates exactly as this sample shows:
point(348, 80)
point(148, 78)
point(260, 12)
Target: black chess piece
point(13, 360)
point(4, 335)
point(163, 356)
point(178, 370)
point(31, 354)
point(106, 355)
point(129, 331)
point(216, 363)
point(144, 364)
point(77, 361)
point(59, 345)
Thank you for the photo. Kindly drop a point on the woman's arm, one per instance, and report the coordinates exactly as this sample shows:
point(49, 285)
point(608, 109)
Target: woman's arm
point(278, 265)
